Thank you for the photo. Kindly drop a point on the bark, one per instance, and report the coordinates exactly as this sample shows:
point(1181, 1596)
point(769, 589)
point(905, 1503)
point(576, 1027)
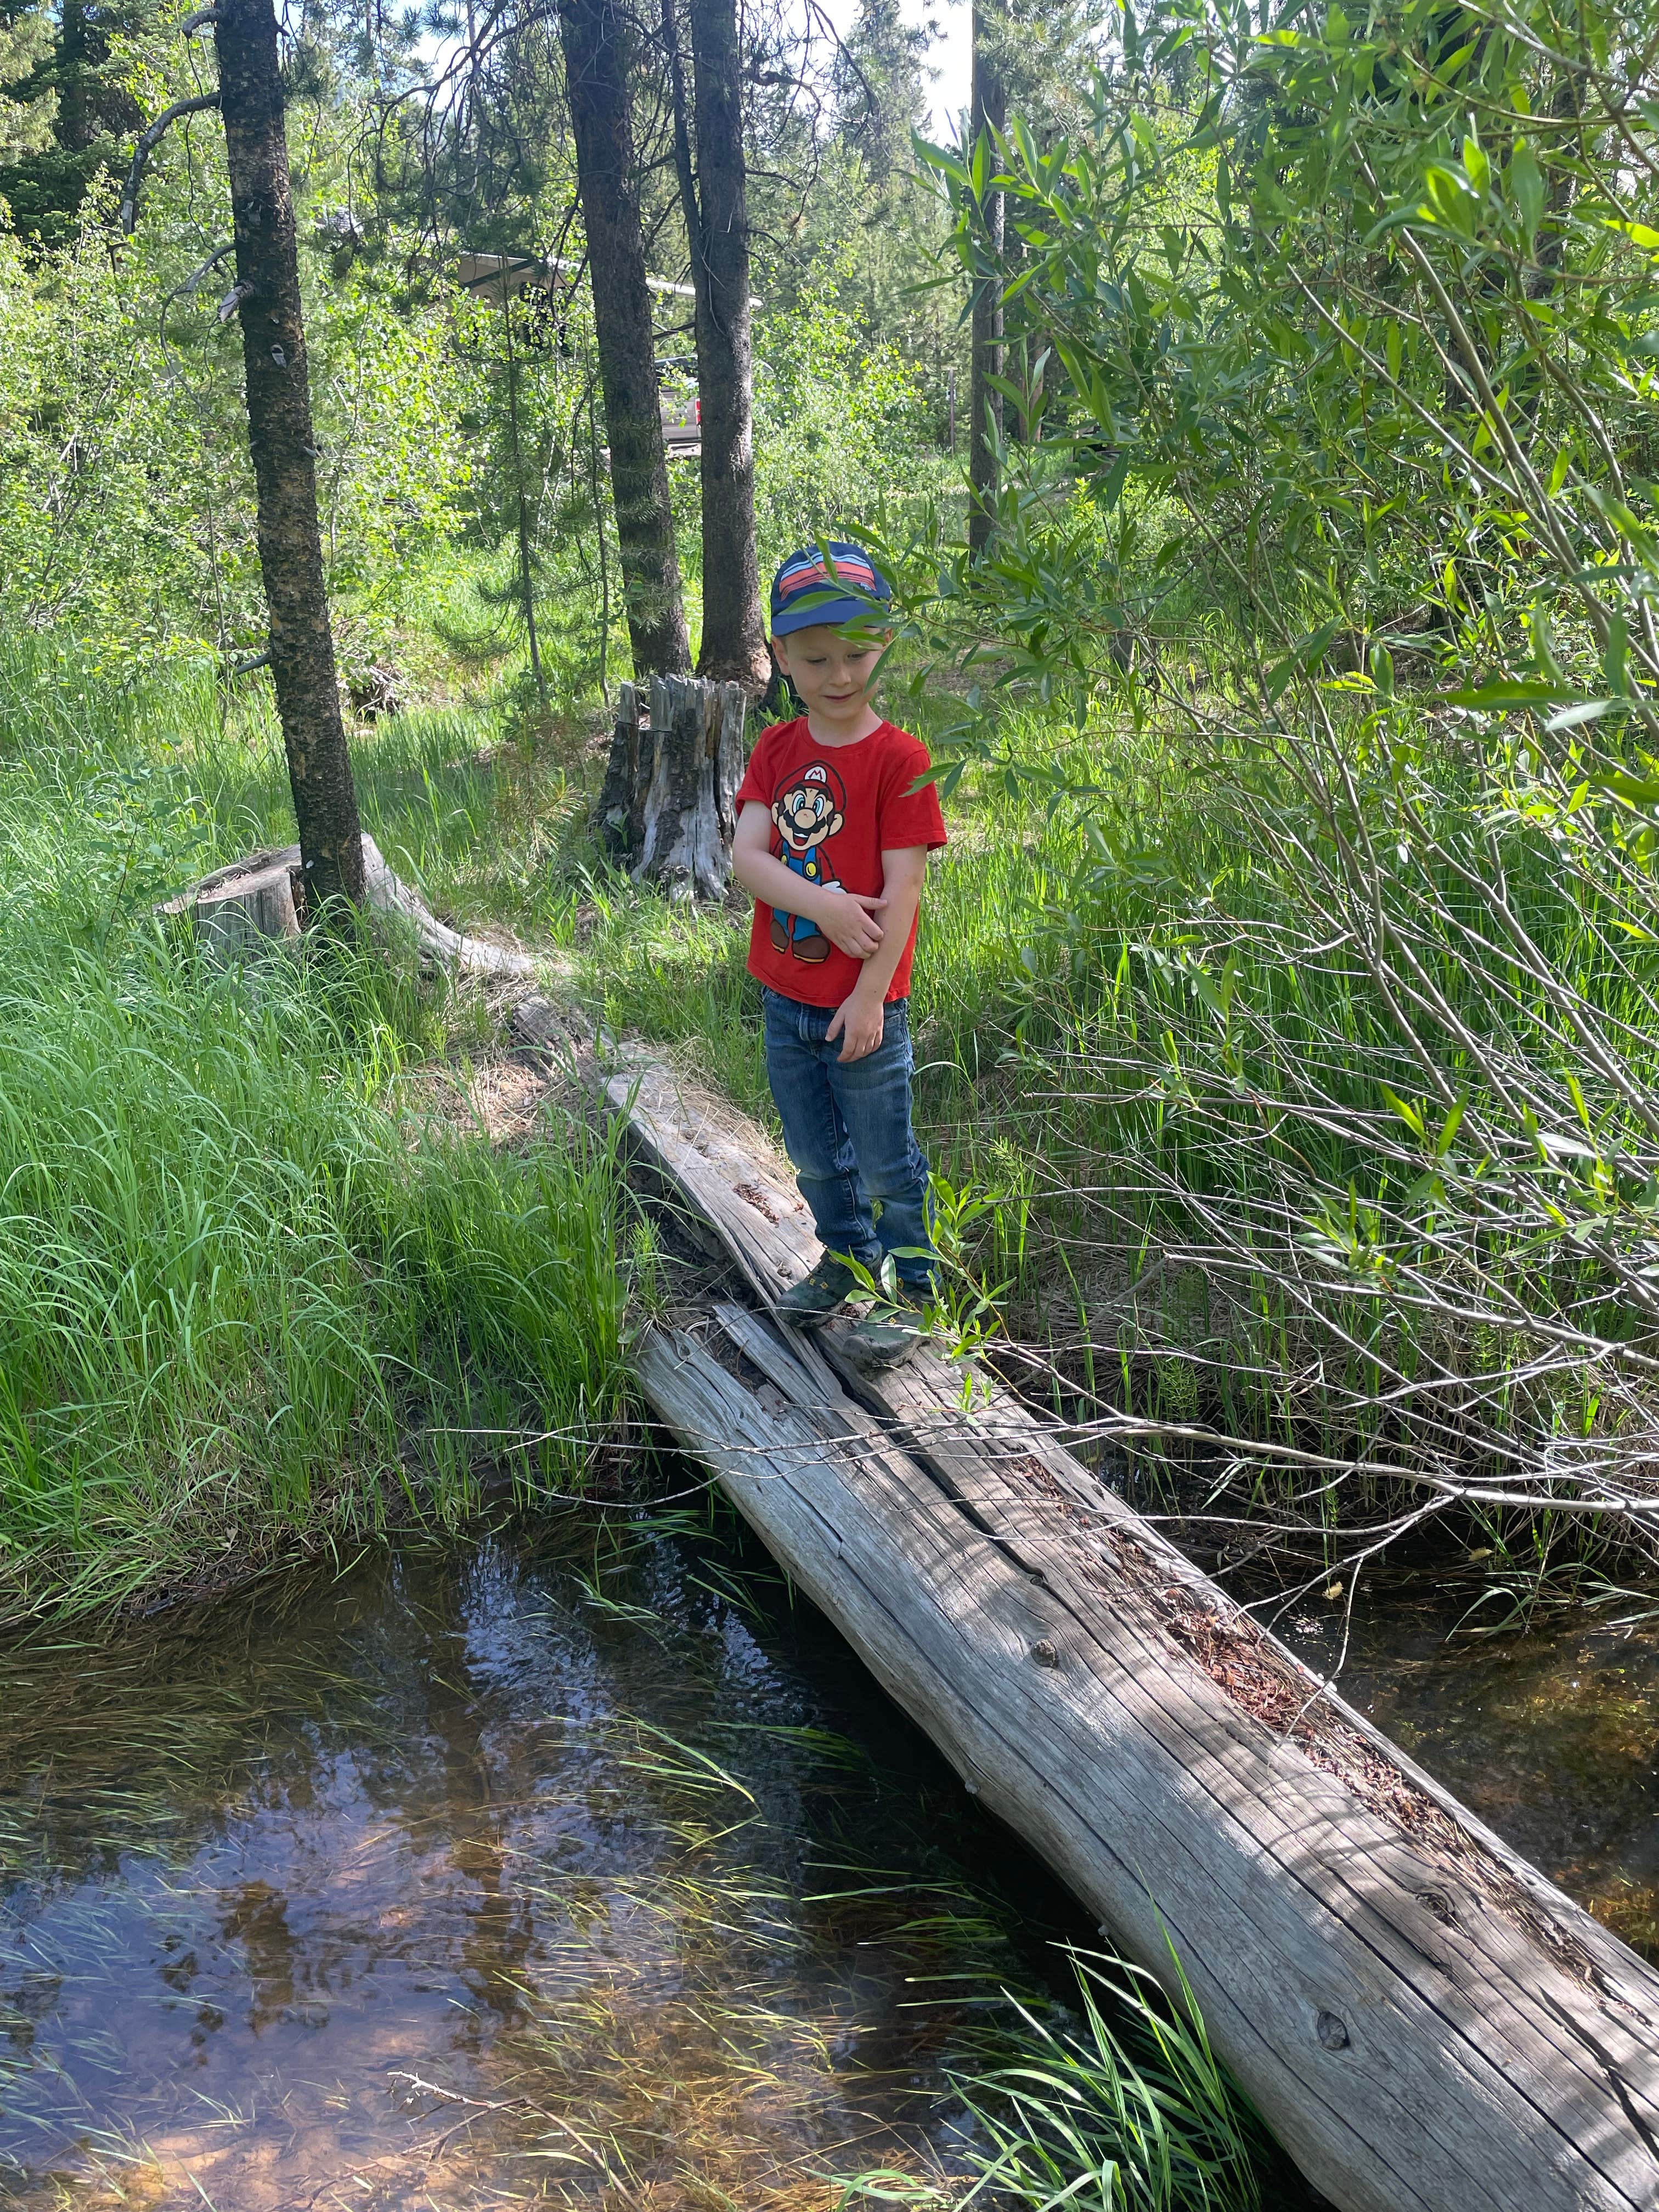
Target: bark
point(667, 809)
point(283, 447)
point(607, 180)
point(714, 197)
point(989, 115)
point(526, 564)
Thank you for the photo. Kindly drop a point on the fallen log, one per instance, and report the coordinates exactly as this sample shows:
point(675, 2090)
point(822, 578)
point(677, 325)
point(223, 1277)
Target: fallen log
point(248, 907)
point(1424, 2021)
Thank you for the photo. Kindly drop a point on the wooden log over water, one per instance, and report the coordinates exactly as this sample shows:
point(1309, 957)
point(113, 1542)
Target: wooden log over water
point(1426, 2023)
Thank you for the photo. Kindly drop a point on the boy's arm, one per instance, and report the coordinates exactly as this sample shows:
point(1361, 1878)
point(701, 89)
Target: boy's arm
point(847, 918)
point(860, 1021)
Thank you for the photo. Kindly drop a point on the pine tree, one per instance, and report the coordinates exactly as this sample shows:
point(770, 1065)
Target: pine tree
point(26, 107)
point(82, 117)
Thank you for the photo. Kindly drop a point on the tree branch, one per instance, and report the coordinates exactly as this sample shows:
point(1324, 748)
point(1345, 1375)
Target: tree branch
point(147, 144)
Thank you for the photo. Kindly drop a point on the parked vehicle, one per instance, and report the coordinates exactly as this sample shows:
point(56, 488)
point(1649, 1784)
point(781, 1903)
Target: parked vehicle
point(681, 426)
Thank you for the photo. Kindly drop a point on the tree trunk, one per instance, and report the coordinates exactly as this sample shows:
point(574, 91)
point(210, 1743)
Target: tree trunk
point(989, 114)
point(668, 810)
point(607, 178)
point(716, 202)
point(527, 565)
point(283, 446)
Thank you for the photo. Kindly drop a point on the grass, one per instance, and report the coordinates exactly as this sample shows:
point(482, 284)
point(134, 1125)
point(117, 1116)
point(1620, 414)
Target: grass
point(1153, 1036)
point(252, 1296)
point(249, 1295)
point(1215, 1176)
point(1122, 2108)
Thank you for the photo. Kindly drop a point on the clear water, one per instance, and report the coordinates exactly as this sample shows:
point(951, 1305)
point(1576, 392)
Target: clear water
point(584, 1869)
point(545, 1872)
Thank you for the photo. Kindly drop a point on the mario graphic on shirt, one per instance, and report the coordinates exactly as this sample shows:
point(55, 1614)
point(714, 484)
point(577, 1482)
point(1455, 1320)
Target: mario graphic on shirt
point(808, 808)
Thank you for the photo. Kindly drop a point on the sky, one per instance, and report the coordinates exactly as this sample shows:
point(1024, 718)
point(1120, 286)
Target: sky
point(950, 55)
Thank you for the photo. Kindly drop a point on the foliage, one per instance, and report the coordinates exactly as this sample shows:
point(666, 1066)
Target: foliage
point(1352, 353)
point(26, 114)
point(839, 425)
point(247, 1295)
point(1128, 2111)
point(79, 105)
point(125, 489)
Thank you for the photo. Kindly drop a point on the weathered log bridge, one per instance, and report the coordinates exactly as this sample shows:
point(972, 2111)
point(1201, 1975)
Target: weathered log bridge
point(1424, 2022)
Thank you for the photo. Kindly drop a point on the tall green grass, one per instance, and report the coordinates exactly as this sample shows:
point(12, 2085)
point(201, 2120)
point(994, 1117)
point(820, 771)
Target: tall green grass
point(1123, 2108)
point(1206, 1067)
point(249, 1293)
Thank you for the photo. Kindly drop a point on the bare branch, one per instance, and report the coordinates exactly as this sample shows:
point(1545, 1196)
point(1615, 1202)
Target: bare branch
point(148, 141)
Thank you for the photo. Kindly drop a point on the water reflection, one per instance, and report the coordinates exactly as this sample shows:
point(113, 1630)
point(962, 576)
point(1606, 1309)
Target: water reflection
point(471, 1880)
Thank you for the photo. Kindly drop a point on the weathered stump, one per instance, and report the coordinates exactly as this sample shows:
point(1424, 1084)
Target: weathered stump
point(666, 809)
point(247, 909)
point(240, 909)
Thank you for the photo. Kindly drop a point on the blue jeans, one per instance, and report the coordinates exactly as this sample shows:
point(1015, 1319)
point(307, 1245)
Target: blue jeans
point(847, 1129)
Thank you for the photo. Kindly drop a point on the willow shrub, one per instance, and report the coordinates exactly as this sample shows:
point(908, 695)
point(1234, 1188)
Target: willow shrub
point(1346, 494)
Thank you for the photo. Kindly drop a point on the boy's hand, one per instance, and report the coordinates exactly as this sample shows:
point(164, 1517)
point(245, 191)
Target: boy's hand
point(848, 919)
point(860, 1022)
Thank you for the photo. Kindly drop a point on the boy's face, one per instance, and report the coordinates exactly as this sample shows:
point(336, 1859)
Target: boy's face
point(829, 671)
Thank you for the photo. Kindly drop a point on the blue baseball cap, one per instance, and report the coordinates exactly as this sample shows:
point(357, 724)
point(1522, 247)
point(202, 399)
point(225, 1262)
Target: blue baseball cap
point(804, 593)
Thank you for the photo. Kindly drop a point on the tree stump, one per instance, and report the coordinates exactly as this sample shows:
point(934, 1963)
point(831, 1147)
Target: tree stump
point(239, 910)
point(666, 811)
point(248, 908)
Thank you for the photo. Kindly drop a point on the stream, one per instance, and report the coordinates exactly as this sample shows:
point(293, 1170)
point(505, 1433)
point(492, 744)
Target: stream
point(583, 1867)
point(576, 1867)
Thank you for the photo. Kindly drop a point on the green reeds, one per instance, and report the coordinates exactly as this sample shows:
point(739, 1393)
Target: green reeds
point(247, 1294)
point(1126, 2110)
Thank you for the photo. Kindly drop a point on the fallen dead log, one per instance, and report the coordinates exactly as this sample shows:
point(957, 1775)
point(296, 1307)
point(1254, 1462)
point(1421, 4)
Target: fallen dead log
point(244, 908)
point(1424, 2022)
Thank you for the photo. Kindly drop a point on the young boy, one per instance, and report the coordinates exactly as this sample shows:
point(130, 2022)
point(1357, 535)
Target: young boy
point(833, 841)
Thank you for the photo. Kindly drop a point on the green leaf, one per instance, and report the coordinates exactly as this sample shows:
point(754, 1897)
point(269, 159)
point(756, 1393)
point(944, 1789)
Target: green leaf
point(1615, 657)
point(1586, 710)
point(1448, 1128)
point(1634, 790)
point(1502, 691)
point(1574, 1091)
point(1476, 165)
point(1410, 1115)
point(1526, 181)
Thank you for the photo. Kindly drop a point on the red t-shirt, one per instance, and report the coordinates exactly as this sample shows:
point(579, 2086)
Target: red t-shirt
point(835, 808)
